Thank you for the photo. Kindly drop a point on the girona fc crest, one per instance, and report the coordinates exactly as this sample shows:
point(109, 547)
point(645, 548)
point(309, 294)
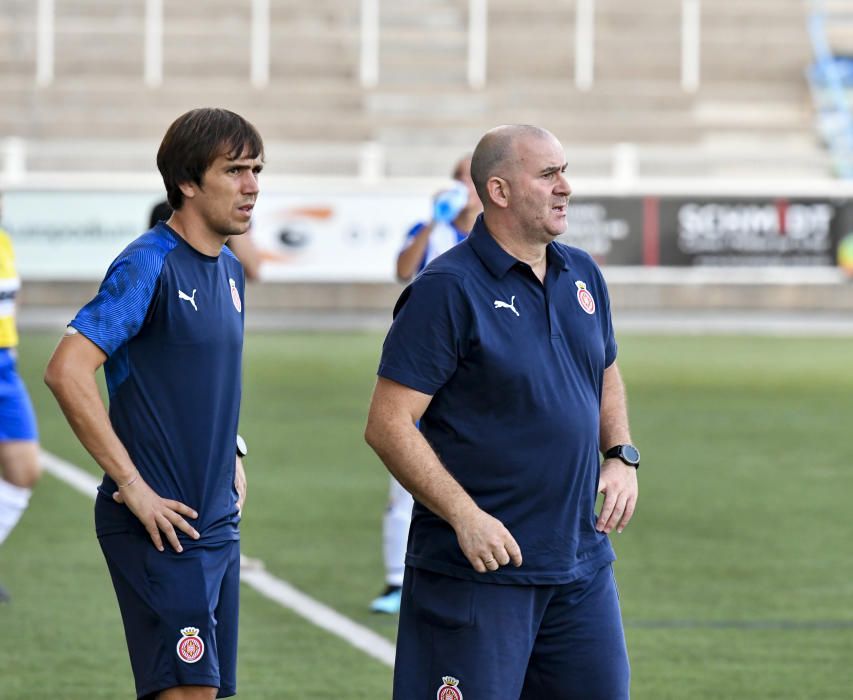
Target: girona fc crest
point(450, 689)
point(585, 298)
point(235, 295)
point(190, 646)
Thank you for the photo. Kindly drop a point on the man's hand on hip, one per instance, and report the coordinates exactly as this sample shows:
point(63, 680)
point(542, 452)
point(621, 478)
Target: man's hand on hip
point(619, 485)
point(157, 513)
point(486, 543)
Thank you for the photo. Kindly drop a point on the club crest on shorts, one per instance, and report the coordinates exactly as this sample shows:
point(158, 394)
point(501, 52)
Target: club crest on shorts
point(235, 295)
point(585, 298)
point(190, 646)
point(450, 689)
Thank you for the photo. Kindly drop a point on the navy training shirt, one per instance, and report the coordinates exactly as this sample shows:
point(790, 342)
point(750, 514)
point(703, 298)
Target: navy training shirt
point(515, 369)
point(170, 320)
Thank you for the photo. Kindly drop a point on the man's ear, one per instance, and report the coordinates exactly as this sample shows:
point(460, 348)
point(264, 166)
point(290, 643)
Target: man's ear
point(498, 190)
point(188, 189)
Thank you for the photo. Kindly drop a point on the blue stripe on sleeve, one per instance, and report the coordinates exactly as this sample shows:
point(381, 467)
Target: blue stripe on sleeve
point(118, 311)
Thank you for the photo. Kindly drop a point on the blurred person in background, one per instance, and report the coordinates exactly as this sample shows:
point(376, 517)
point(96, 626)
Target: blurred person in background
point(167, 327)
point(242, 246)
point(454, 213)
point(19, 452)
point(503, 349)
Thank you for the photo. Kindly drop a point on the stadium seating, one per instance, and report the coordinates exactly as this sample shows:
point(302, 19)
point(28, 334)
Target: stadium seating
point(750, 114)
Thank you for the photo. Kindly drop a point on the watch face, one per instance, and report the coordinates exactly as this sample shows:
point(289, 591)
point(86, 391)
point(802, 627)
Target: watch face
point(242, 449)
point(630, 454)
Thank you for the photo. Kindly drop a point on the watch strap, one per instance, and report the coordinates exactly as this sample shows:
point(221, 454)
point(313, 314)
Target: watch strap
point(618, 452)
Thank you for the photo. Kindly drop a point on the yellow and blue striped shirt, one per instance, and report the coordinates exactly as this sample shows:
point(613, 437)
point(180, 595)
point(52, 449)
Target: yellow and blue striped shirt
point(9, 285)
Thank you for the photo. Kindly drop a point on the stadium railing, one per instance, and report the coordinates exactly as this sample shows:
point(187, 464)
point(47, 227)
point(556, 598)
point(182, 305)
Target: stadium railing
point(374, 152)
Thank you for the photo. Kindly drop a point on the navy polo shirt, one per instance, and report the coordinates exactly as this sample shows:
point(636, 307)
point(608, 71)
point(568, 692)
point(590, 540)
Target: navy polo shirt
point(515, 368)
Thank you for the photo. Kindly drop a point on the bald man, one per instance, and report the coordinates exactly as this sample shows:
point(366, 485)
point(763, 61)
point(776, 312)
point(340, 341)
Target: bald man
point(503, 349)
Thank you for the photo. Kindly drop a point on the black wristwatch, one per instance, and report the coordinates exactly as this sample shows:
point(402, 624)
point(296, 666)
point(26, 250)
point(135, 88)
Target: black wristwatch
point(242, 449)
point(627, 453)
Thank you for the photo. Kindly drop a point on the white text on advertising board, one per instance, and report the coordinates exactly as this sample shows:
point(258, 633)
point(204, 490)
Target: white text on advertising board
point(755, 228)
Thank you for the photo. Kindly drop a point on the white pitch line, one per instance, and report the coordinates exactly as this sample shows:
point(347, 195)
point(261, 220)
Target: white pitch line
point(262, 581)
point(75, 477)
point(321, 615)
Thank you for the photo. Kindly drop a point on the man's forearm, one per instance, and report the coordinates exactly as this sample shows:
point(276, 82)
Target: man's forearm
point(81, 402)
point(409, 457)
point(410, 257)
point(391, 432)
point(614, 428)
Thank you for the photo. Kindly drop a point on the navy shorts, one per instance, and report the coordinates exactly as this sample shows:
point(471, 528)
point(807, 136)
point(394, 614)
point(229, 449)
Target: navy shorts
point(17, 418)
point(484, 641)
point(180, 612)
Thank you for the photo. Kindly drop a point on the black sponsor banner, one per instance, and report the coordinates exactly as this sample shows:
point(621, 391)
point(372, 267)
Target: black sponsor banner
point(709, 231)
point(751, 231)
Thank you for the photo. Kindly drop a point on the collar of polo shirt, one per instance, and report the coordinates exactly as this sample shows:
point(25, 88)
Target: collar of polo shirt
point(496, 259)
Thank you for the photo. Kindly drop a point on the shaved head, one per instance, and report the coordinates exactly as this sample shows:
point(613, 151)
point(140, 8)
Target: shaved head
point(496, 153)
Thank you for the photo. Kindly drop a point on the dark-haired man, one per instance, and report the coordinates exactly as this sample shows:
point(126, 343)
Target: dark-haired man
point(167, 325)
point(503, 349)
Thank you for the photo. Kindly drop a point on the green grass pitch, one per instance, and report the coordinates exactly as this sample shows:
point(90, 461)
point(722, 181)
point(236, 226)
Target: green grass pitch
point(736, 574)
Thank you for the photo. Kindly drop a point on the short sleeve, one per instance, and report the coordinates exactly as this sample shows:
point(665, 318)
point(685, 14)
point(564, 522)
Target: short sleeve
point(410, 235)
point(609, 337)
point(432, 327)
point(118, 311)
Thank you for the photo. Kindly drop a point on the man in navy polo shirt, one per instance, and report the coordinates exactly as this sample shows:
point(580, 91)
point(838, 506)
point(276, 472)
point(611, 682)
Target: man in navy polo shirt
point(503, 349)
point(167, 325)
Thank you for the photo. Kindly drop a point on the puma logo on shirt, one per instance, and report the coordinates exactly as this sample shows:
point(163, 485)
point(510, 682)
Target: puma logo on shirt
point(191, 299)
point(503, 305)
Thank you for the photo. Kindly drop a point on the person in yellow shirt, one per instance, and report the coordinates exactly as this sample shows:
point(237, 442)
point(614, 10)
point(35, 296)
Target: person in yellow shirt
point(19, 453)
